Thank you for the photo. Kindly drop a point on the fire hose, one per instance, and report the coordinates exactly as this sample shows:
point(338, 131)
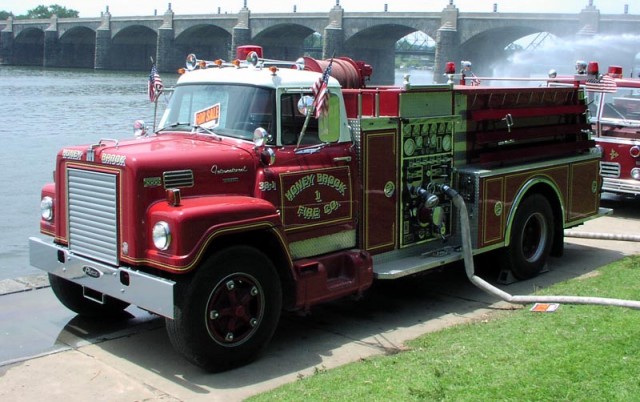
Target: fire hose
point(601, 236)
point(465, 230)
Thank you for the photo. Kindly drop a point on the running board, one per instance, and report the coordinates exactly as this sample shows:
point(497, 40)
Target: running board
point(390, 268)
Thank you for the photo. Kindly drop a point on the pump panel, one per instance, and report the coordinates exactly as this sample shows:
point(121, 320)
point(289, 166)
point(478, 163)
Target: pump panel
point(426, 164)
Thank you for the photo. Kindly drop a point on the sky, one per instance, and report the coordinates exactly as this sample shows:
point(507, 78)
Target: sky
point(93, 8)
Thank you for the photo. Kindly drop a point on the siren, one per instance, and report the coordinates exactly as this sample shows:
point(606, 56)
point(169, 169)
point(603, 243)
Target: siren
point(450, 68)
point(242, 52)
point(615, 71)
point(593, 69)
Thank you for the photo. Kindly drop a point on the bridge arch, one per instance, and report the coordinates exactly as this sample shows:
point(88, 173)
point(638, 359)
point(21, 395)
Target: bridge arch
point(77, 48)
point(206, 41)
point(29, 49)
point(132, 48)
point(376, 46)
point(275, 48)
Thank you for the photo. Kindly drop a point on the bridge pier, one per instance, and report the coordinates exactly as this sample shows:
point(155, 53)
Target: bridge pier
point(241, 32)
point(333, 38)
point(166, 54)
point(6, 43)
point(51, 46)
point(447, 43)
point(103, 42)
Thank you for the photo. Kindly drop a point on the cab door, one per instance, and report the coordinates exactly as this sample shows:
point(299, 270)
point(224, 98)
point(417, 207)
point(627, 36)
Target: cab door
point(315, 176)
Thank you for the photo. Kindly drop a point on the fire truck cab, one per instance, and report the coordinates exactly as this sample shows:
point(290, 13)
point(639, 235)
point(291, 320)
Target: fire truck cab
point(614, 105)
point(267, 187)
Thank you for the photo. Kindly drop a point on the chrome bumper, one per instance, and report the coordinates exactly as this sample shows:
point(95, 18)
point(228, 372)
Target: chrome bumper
point(620, 185)
point(140, 289)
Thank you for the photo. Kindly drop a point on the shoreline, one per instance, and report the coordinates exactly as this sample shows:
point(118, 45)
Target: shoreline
point(23, 284)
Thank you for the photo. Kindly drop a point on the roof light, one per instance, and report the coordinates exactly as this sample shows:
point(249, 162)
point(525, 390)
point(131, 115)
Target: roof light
point(450, 68)
point(615, 71)
point(273, 70)
point(593, 68)
point(219, 62)
point(236, 63)
point(245, 51)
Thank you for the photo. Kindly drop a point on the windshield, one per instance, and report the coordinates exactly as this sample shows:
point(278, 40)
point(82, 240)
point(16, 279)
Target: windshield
point(623, 106)
point(231, 110)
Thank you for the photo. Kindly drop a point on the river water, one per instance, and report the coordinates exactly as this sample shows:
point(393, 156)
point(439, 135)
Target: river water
point(43, 110)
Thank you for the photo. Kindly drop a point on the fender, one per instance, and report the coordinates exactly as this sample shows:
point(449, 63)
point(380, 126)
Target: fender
point(197, 221)
point(524, 191)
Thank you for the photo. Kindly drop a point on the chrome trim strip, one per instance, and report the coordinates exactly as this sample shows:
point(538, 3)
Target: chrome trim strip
point(620, 185)
point(617, 140)
point(145, 291)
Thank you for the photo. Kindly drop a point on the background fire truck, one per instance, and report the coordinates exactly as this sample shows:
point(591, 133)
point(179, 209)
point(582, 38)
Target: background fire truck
point(614, 104)
point(268, 188)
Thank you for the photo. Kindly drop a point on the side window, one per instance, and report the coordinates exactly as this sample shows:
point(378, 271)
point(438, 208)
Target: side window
point(324, 129)
point(292, 121)
point(329, 130)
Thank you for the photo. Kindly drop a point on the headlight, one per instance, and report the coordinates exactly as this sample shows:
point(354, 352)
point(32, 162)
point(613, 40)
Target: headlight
point(46, 208)
point(597, 150)
point(635, 173)
point(161, 235)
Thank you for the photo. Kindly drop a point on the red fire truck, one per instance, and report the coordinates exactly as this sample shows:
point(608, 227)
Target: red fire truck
point(269, 188)
point(614, 104)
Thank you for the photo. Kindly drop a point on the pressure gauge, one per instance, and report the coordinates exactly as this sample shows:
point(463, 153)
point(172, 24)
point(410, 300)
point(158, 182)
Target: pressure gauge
point(446, 143)
point(409, 146)
point(433, 141)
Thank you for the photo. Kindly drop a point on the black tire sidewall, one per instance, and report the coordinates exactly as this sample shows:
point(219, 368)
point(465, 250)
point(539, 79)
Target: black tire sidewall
point(513, 257)
point(70, 294)
point(188, 331)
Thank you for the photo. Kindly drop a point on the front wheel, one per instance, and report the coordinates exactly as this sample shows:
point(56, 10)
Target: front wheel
point(531, 238)
point(229, 311)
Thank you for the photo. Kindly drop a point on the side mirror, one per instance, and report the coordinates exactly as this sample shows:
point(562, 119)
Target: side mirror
point(139, 129)
point(261, 137)
point(305, 105)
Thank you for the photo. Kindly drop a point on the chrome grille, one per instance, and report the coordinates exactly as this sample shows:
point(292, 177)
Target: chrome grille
point(92, 212)
point(177, 179)
point(609, 169)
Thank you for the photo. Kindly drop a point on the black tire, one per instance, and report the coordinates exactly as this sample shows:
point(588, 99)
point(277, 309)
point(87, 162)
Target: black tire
point(229, 311)
point(531, 238)
point(71, 296)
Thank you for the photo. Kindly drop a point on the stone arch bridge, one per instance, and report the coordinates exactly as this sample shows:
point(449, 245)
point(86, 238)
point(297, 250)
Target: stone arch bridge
point(128, 43)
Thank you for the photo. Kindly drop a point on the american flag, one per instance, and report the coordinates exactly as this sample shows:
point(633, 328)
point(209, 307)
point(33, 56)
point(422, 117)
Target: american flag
point(155, 84)
point(605, 84)
point(321, 92)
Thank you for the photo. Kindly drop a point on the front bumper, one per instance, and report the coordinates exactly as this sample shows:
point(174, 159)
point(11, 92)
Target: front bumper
point(629, 186)
point(140, 289)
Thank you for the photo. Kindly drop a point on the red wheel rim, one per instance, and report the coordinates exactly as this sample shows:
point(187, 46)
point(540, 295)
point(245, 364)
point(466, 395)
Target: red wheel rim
point(234, 309)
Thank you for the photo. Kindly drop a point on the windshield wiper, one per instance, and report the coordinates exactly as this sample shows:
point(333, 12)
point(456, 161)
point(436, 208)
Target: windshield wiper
point(172, 125)
point(196, 129)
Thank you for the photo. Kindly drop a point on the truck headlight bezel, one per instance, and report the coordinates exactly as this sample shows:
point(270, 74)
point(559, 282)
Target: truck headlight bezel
point(46, 208)
point(161, 235)
point(635, 173)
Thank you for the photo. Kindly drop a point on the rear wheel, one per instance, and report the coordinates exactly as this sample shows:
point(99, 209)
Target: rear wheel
point(72, 296)
point(229, 311)
point(531, 238)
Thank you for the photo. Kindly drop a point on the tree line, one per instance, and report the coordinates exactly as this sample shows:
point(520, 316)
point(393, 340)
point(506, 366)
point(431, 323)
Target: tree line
point(42, 12)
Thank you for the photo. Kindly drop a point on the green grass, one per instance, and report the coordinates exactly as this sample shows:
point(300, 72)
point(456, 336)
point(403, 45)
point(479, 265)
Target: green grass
point(578, 353)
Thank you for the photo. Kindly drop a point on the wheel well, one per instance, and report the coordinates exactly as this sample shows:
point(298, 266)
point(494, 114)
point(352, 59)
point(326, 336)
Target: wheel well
point(268, 243)
point(553, 198)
